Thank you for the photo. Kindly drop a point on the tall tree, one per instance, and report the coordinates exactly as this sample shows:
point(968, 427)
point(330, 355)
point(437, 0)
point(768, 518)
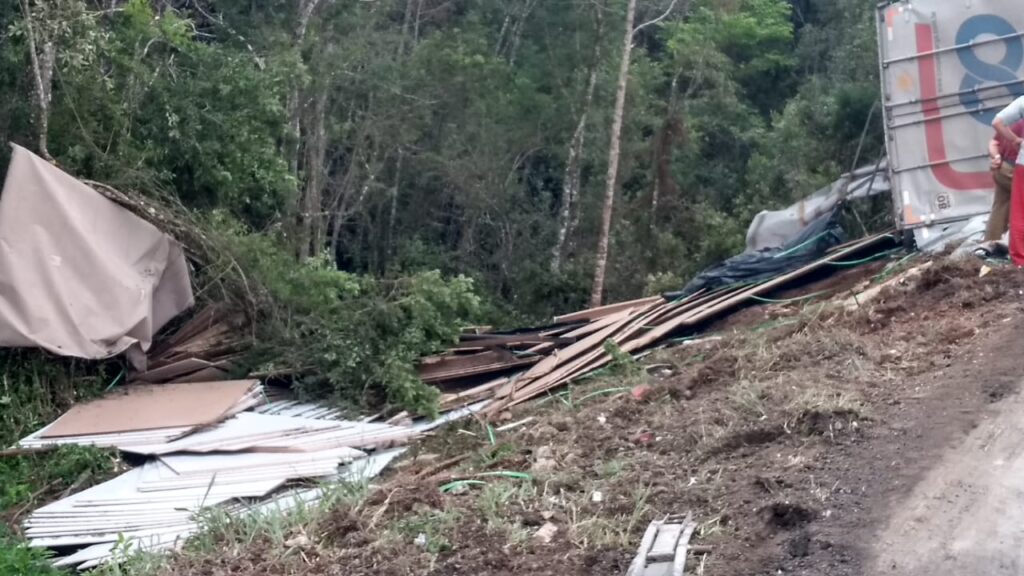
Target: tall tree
point(601, 263)
point(574, 161)
point(615, 143)
point(43, 55)
point(309, 201)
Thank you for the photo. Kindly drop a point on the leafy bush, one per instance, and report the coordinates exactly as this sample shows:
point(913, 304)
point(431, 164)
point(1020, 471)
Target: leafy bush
point(18, 559)
point(356, 338)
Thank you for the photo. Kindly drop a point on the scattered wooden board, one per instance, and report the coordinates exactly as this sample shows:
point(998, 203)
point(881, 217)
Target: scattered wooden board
point(602, 311)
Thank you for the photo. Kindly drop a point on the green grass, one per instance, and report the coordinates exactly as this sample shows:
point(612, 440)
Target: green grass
point(435, 526)
point(35, 388)
point(600, 531)
point(28, 479)
point(17, 559)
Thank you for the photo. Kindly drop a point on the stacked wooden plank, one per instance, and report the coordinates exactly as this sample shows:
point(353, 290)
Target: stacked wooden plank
point(201, 350)
point(508, 369)
point(482, 355)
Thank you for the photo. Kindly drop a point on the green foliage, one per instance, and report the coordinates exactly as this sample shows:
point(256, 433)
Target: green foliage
point(173, 113)
point(36, 387)
point(357, 337)
point(436, 137)
point(657, 284)
point(25, 476)
point(622, 363)
point(17, 558)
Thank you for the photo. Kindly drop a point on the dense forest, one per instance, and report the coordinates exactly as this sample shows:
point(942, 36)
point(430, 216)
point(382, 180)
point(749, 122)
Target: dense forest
point(468, 136)
point(392, 168)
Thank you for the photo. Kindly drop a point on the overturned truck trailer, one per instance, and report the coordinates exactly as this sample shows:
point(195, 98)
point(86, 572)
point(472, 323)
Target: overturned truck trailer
point(947, 68)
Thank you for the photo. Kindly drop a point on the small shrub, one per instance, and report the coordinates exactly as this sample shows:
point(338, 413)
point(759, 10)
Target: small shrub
point(82, 466)
point(356, 338)
point(622, 363)
point(18, 559)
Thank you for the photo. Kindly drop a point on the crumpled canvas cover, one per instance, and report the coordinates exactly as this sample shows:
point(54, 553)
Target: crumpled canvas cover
point(771, 229)
point(79, 275)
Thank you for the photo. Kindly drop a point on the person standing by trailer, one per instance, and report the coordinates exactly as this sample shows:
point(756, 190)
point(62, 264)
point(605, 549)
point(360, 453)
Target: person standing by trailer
point(1003, 155)
point(1008, 117)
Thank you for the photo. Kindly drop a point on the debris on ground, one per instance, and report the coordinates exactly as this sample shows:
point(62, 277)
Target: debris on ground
point(664, 548)
point(220, 444)
point(528, 364)
point(200, 440)
point(209, 442)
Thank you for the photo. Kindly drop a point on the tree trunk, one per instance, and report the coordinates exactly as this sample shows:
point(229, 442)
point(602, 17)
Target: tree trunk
point(601, 264)
point(517, 31)
point(393, 216)
point(42, 73)
point(500, 44)
point(311, 237)
point(294, 109)
point(571, 179)
point(671, 133)
point(406, 22)
point(416, 27)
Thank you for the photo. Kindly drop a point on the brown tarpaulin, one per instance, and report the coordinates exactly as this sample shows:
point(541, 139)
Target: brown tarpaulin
point(79, 275)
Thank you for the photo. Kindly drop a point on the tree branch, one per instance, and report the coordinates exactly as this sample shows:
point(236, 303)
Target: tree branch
point(656, 20)
point(42, 72)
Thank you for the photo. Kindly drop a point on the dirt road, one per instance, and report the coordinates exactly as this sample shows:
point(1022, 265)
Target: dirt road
point(935, 484)
point(967, 515)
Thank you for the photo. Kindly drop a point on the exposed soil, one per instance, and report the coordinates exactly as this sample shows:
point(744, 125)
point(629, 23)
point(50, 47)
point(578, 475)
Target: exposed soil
point(791, 446)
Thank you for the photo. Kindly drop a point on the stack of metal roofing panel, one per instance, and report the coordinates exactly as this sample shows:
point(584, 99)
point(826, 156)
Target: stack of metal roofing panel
point(242, 462)
point(275, 433)
point(158, 520)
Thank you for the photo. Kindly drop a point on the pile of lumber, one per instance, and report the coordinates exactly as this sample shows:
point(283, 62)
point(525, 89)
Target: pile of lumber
point(203, 349)
point(507, 369)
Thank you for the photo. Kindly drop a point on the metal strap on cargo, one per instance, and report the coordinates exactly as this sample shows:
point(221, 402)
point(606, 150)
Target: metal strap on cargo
point(971, 44)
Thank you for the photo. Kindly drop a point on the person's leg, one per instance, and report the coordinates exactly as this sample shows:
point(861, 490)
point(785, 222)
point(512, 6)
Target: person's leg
point(1017, 218)
point(999, 219)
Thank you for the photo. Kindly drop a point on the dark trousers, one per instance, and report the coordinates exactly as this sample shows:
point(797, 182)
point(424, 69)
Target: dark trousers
point(999, 219)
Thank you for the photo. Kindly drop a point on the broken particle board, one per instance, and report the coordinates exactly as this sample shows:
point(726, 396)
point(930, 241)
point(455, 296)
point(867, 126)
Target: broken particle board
point(172, 372)
point(603, 311)
point(440, 369)
point(149, 407)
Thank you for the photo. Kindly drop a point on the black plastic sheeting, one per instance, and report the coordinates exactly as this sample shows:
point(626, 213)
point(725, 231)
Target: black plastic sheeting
point(812, 244)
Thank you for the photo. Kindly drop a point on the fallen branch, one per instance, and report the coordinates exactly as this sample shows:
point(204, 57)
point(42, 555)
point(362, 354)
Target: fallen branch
point(15, 452)
point(440, 467)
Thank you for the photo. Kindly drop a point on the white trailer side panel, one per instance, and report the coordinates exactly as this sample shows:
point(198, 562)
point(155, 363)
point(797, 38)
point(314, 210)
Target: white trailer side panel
point(948, 66)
